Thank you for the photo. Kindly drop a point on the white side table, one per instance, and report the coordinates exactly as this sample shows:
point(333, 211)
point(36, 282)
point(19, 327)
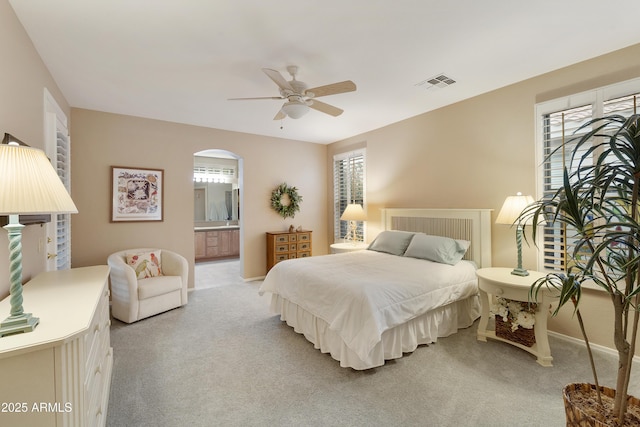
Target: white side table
point(338, 248)
point(500, 282)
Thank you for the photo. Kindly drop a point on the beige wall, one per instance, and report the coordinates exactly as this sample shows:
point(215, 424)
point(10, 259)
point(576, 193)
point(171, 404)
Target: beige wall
point(23, 79)
point(475, 153)
point(101, 140)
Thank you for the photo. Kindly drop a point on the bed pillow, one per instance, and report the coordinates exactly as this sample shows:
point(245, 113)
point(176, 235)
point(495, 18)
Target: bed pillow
point(436, 248)
point(146, 264)
point(392, 242)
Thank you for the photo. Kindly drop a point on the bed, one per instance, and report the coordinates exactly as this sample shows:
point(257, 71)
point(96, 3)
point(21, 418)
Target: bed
point(415, 284)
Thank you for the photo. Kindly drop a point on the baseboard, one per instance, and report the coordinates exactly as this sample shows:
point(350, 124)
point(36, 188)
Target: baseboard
point(596, 347)
point(253, 279)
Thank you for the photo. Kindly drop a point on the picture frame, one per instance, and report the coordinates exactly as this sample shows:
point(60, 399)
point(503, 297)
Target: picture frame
point(137, 194)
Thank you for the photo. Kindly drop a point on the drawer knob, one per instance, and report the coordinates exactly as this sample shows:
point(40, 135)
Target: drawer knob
point(499, 291)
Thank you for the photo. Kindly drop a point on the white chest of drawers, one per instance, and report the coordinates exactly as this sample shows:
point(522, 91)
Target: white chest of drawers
point(59, 374)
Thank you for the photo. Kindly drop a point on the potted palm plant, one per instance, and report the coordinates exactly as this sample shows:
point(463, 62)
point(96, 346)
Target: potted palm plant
point(598, 206)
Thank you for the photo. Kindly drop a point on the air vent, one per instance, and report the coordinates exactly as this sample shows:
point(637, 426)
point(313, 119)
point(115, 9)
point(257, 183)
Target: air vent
point(439, 80)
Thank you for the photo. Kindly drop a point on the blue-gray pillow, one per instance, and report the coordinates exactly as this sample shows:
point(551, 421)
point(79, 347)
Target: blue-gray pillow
point(392, 242)
point(436, 248)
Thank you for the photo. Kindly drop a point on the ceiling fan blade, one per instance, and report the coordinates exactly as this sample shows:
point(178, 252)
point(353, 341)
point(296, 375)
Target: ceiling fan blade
point(278, 79)
point(281, 115)
point(251, 99)
point(333, 89)
point(326, 108)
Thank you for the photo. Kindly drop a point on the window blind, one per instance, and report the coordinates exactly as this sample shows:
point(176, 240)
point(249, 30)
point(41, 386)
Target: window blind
point(348, 187)
point(63, 221)
point(559, 133)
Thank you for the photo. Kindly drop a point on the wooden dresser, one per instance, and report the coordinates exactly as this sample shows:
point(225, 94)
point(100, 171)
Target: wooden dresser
point(282, 245)
point(59, 374)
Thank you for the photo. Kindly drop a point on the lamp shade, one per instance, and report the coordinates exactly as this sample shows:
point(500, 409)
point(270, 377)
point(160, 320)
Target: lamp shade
point(29, 184)
point(512, 208)
point(354, 212)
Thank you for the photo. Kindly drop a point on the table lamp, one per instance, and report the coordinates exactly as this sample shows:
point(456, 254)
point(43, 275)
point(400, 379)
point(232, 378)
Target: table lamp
point(353, 213)
point(511, 210)
point(29, 185)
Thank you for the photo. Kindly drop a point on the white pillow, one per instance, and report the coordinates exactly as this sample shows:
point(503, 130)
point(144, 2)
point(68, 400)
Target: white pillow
point(437, 248)
point(392, 242)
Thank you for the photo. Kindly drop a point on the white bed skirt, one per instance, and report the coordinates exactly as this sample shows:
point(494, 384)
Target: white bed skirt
point(425, 329)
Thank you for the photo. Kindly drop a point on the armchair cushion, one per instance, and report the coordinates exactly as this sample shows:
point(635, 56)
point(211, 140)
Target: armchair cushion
point(154, 286)
point(146, 264)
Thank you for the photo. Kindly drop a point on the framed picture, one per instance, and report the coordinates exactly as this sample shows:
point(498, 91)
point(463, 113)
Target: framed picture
point(136, 194)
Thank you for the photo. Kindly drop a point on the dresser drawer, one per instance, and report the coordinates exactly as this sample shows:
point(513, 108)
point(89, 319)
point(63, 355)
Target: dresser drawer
point(306, 246)
point(303, 254)
point(98, 329)
point(304, 237)
point(281, 257)
point(282, 238)
point(212, 238)
point(282, 248)
point(500, 290)
point(94, 394)
point(100, 344)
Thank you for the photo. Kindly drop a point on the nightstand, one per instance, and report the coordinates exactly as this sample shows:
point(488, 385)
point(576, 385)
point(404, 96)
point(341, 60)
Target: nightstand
point(499, 282)
point(338, 248)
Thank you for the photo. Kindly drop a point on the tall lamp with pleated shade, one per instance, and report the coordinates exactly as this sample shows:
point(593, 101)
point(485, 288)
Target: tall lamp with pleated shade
point(511, 210)
point(353, 213)
point(29, 185)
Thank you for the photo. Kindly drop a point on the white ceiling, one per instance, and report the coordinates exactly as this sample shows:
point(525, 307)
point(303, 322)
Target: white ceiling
point(180, 60)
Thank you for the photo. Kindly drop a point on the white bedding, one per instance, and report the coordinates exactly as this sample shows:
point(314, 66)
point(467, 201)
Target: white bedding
point(362, 294)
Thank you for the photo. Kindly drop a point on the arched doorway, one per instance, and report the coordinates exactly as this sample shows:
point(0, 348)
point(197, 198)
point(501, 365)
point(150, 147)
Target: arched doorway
point(218, 218)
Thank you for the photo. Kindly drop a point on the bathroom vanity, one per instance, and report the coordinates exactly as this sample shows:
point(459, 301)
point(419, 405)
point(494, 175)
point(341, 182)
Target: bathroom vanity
point(214, 242)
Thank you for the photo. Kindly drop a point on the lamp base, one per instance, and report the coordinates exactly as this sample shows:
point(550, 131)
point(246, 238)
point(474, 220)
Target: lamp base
point(18, 324)
point(518, 271)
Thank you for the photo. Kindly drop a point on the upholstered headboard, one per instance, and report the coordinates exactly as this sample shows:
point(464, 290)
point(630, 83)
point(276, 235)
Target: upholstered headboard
point(473, 225)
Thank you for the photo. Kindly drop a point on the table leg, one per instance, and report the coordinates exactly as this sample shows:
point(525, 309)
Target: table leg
point(542, 338)
point(484, 319)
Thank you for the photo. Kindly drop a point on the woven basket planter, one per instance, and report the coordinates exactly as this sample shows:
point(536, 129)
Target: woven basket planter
point(522, 336)
point(578, 417)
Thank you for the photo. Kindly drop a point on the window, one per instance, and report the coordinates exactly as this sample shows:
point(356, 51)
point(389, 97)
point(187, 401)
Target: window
point(63, 221)
point(57, 147)
point(558, 122)
point(348, 187)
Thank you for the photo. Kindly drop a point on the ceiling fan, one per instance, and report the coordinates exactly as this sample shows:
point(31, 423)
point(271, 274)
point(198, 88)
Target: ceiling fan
point(299, 98)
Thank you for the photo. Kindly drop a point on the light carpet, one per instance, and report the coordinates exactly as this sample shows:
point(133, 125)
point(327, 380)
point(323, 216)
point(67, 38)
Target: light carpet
point(225, 360)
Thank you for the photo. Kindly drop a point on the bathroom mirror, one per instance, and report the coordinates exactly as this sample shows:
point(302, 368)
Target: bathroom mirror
point(215, 202)
point(216, 191)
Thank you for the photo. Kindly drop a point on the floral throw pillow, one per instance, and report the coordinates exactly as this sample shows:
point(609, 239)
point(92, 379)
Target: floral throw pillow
point(146, 264)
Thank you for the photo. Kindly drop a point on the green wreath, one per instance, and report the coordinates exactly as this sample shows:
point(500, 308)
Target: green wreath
point(285, 200)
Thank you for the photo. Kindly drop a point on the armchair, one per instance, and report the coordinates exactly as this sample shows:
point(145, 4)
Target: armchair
point(134, 299)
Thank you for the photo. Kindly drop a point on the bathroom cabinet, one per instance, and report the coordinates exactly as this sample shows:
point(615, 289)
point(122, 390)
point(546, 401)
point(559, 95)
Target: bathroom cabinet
point(220, 243)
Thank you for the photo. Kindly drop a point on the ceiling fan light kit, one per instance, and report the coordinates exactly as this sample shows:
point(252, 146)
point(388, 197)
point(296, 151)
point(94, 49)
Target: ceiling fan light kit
point(298, 98)
point(295, 109)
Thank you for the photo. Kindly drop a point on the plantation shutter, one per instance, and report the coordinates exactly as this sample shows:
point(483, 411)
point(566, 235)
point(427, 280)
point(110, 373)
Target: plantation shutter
point(63, 221)
point(348, 187)
point(625, 106)
point(558, 141)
